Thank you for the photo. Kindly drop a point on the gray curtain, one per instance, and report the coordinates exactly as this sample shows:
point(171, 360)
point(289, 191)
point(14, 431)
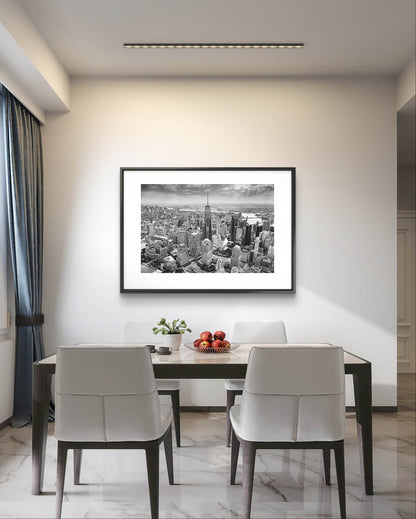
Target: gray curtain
point(24, 184)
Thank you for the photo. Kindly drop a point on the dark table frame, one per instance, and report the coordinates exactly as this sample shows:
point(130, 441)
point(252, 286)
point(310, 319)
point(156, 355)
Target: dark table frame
point(361, 372)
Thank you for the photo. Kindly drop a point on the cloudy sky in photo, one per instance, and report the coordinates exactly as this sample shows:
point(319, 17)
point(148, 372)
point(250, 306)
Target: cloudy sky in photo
point(196, 194)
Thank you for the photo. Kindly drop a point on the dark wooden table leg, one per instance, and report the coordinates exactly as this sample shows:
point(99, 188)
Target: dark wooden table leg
point(363, 406)
point(40, 413)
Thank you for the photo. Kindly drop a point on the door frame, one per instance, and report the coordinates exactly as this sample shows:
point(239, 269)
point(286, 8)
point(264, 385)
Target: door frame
point(406, 281)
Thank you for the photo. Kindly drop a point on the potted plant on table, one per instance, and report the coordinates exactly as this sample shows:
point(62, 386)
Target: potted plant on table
point(173, 332)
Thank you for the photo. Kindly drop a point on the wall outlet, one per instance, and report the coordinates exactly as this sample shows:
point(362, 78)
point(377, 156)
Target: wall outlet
point(9, 319)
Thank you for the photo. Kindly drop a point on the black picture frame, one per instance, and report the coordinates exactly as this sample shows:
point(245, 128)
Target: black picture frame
point(147, 260)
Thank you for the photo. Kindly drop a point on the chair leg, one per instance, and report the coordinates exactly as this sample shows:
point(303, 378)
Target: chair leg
point(152, 461)
point(235, 447)
point(327, 465)
point(230, 402)
point(60, 476)
point(340, 468)
point(176, 415)
point(249, 458)
point(77, 465)
point(169, 455)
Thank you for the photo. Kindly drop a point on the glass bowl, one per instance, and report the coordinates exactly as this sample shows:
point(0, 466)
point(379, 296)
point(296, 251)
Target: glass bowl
point(233, 346)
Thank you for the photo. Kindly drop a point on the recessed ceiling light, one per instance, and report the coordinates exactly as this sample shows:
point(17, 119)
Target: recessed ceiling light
point(276, 45)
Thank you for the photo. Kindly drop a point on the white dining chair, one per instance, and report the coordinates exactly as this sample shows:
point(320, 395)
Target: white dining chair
point(106, 398)
point(140, 332)
point(255, 332)
point(293, 398)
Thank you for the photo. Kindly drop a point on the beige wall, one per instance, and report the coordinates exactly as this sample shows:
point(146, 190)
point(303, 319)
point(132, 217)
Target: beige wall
point(340, 134)
point(406, 84)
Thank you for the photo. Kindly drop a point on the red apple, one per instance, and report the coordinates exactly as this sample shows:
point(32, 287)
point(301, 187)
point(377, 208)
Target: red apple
point(217, 344)
point(197, 342)
point(206, 336)
point(226, 345)
point(219, 335)
point(204, 344)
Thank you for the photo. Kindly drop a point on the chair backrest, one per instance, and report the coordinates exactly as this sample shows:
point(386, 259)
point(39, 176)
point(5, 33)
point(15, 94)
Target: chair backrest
point(294, 393)
point(139, 332)
point(106, 393)
point(260, 332)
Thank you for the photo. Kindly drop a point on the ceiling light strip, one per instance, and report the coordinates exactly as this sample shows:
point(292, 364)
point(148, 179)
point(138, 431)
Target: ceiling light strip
point(213, 45)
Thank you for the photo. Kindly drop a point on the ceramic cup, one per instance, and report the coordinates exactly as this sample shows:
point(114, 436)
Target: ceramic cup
point(164, 350)
point(151, 347)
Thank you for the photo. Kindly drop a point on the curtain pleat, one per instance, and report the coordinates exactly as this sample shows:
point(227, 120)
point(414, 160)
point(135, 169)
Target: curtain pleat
point(24, 184)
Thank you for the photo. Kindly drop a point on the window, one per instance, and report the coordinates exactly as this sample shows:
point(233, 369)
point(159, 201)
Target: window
point(3, 226)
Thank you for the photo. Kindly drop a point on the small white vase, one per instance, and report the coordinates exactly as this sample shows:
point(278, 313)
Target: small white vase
point(173, 341)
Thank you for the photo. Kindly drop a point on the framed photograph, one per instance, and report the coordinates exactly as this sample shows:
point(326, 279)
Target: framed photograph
point(207, 230)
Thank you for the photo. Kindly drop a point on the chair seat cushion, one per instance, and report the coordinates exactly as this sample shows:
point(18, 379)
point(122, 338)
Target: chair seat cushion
point(110, 418)
point(290, 418)
point(234, 384)
point(235, 418)
point(167, 385)
point(166, 417)
point(263, 428)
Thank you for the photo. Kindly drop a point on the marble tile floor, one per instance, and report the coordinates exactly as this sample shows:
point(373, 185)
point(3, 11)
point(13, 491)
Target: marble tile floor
point(287, 485)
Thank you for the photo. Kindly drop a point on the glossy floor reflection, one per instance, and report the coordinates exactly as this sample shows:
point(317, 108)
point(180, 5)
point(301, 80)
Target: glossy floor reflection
point(114, 483)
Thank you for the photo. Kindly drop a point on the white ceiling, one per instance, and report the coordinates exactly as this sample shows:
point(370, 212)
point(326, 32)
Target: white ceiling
point(342, 37)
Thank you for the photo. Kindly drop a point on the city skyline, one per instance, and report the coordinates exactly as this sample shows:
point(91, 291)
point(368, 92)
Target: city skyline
point(196, 194)
point(176, 238)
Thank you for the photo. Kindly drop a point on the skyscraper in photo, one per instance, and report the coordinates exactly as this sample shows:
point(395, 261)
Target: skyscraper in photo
point(247, 236)
point(206, 252)
point(207, 222)
point(235, 256)
point(234, 225)
point(182, 236)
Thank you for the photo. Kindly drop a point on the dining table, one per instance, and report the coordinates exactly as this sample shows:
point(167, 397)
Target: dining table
point(190, 364)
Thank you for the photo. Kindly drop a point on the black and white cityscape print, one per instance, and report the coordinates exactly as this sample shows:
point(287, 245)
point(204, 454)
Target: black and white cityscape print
point(207, 228)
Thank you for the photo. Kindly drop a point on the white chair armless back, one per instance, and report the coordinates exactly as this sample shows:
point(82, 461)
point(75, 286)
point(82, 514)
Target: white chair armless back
point(106, 393)
point(260, 332)
point(139, 332)
point(294, 393)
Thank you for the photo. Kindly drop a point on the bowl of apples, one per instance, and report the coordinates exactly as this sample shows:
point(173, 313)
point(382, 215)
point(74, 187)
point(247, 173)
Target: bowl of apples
point(212, 343)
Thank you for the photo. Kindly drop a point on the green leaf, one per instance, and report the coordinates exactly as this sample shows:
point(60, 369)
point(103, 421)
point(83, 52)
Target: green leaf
point(167, 328)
